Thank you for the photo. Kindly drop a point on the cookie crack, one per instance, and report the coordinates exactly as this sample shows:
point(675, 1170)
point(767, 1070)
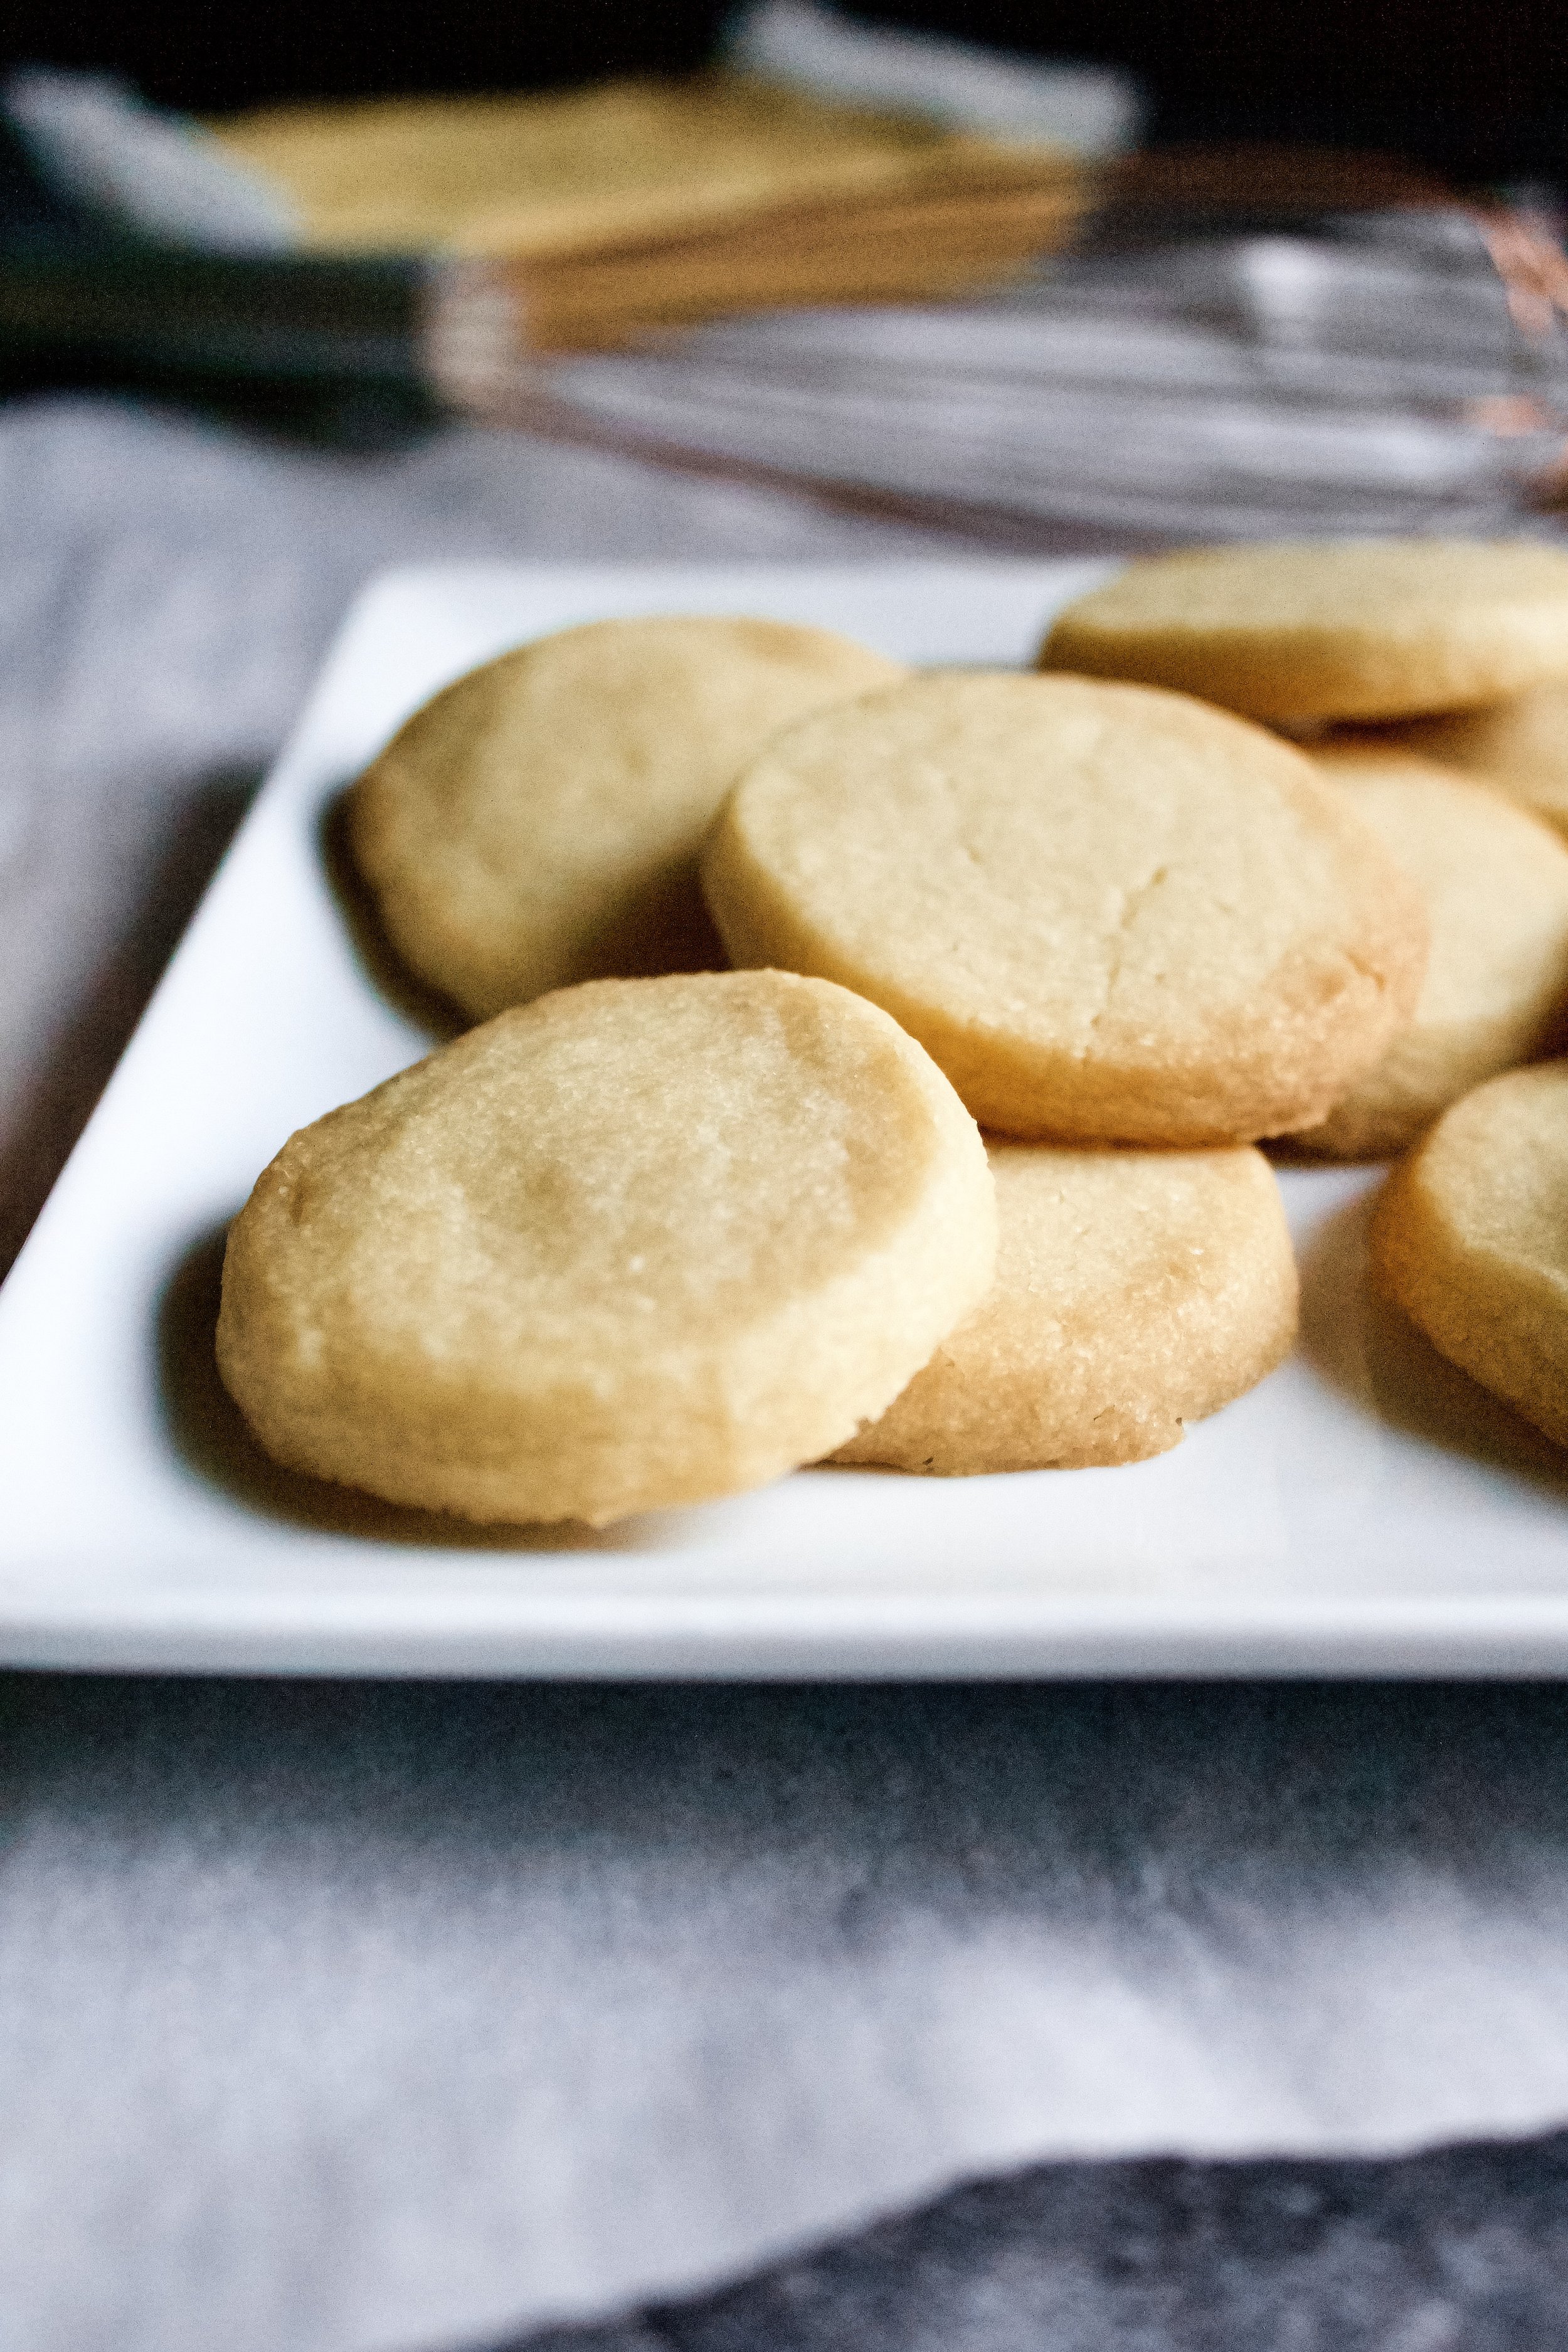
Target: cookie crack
point(1132, 905)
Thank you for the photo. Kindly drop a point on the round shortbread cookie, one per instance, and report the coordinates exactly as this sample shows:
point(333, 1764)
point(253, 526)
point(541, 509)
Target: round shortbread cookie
point(1374, 628)
point(1135, 1291)
point(1495, 881)
point(1470, 1238)
point(639, 1243)
point(1110, 914)
point(539, 823)
point(1519, 747)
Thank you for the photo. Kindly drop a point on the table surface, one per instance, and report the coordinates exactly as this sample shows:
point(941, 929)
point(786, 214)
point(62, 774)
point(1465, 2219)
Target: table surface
point(338, 2017)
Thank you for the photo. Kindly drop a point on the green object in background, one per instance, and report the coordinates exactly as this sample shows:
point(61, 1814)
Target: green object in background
point(215, 314)
point(337, 349)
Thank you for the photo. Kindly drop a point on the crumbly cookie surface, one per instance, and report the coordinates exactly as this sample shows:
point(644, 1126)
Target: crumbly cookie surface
point(1470, 1238)
point(1135, 1291)
point(1495, 882)
point(539, 822)
point(637, 1244)
point(1329, 629)
point(1519, 745)
point(1107, 912)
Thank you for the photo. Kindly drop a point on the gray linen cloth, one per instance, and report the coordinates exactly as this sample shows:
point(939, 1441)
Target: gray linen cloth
point(340, 2018)
point(1460, 2248)
point(355, 2018)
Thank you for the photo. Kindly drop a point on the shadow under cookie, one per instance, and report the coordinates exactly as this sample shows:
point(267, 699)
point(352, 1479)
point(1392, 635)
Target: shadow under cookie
point(414, 997)
point(1354, 1338)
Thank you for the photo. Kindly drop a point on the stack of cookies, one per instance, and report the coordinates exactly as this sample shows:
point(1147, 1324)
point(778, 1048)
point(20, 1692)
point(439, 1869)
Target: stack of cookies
point(657, 1230)
point(1429, 682)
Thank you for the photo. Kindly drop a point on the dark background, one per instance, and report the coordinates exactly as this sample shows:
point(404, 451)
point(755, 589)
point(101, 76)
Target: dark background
point(1480, 89)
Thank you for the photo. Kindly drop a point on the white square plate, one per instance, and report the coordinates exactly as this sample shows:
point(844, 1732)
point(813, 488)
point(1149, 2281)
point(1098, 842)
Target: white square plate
point(1365, 1511)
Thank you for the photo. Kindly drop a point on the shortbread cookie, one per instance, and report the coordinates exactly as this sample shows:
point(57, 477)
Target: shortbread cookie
point(1135, 1291)
point(1109, 913)
point(1520, 747)
point(539, 823)
point(1373, 628)
point(639, 1243)
point(1495, 881)
point(1470, 1238)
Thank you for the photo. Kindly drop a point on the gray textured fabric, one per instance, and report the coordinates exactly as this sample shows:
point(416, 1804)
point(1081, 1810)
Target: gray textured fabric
point(343, 2019)
point(1464, 2251)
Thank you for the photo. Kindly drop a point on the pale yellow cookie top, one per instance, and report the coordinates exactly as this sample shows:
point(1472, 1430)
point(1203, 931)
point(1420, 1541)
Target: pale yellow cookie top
point(1494, 878)
point(1495, 883)
point(1087, 1238)
point(1080, 879)
point(1134, 1290)
point(1497, 1163)
point(1329, 629)
point(539, 822)
point(670, 1158)
point(1469, 1237)
point(637, 1244)
point(1521, 744)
